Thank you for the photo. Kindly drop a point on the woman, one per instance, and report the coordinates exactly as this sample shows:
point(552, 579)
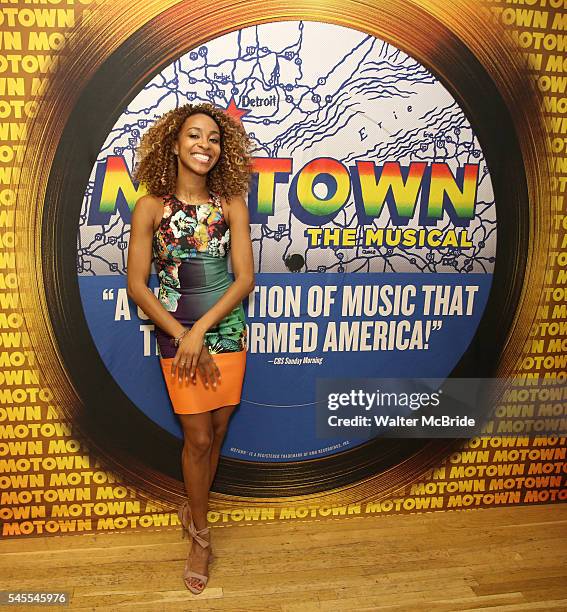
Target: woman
point(195, 164)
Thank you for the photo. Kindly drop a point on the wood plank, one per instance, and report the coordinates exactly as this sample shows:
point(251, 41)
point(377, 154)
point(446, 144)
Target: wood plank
point(511, 558)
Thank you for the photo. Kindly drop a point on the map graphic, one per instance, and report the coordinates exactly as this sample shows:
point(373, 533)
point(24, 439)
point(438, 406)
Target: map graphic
point(311, 89)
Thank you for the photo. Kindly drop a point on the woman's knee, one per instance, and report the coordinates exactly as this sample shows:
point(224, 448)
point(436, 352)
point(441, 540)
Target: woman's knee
point(198, 442)
point(219, 431)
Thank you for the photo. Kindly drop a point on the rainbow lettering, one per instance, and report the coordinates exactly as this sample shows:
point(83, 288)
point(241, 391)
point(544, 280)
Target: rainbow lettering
point(425, 189)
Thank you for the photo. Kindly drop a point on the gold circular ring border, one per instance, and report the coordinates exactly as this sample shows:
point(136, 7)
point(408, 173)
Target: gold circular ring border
point(419, 28)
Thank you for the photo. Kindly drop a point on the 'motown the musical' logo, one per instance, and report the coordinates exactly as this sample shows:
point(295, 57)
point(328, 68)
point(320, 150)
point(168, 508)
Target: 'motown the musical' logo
point(421, 191)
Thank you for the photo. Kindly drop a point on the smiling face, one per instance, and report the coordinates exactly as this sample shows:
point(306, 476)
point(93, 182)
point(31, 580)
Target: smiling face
point(198, 144)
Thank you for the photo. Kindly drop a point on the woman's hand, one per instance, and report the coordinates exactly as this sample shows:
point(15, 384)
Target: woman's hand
point(208, 368)
point(188, 353)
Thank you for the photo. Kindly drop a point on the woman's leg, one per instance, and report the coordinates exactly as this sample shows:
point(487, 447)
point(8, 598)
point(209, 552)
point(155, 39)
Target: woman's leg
point(220, 418)
point(196, 465)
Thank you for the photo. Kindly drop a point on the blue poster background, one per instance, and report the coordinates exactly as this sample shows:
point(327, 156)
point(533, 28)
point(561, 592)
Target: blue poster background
point(276, 418)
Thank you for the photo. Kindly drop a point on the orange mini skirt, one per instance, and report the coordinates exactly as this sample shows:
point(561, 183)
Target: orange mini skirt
point(189, 397)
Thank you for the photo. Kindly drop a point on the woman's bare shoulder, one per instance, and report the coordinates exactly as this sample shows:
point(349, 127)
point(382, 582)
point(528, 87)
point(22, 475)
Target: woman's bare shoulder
point(235, 203)
point(149, 207)
point(149, 201)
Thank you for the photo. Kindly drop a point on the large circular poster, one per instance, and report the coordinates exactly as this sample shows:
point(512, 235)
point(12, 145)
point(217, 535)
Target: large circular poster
point(371, 194)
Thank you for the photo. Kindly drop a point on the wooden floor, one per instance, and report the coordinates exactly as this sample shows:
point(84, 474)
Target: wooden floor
point(498, 559)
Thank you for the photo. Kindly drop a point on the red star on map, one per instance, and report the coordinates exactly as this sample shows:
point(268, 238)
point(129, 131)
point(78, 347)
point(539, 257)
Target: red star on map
point(233, 111)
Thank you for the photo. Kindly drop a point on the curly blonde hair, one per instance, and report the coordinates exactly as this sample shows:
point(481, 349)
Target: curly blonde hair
point(157, 166)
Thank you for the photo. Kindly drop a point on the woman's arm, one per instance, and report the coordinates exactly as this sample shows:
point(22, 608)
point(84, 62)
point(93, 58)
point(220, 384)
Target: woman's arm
point(236, 214)
point(139, 263)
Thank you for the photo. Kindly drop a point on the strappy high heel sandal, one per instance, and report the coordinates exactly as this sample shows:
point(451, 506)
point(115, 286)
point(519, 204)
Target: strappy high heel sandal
point(185, 518)
point(188, 572)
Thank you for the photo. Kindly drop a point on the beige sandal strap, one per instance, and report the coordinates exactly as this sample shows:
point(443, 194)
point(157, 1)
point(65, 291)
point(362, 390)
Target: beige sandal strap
point(192, 574)
point(201, 541)
point(182, 513)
